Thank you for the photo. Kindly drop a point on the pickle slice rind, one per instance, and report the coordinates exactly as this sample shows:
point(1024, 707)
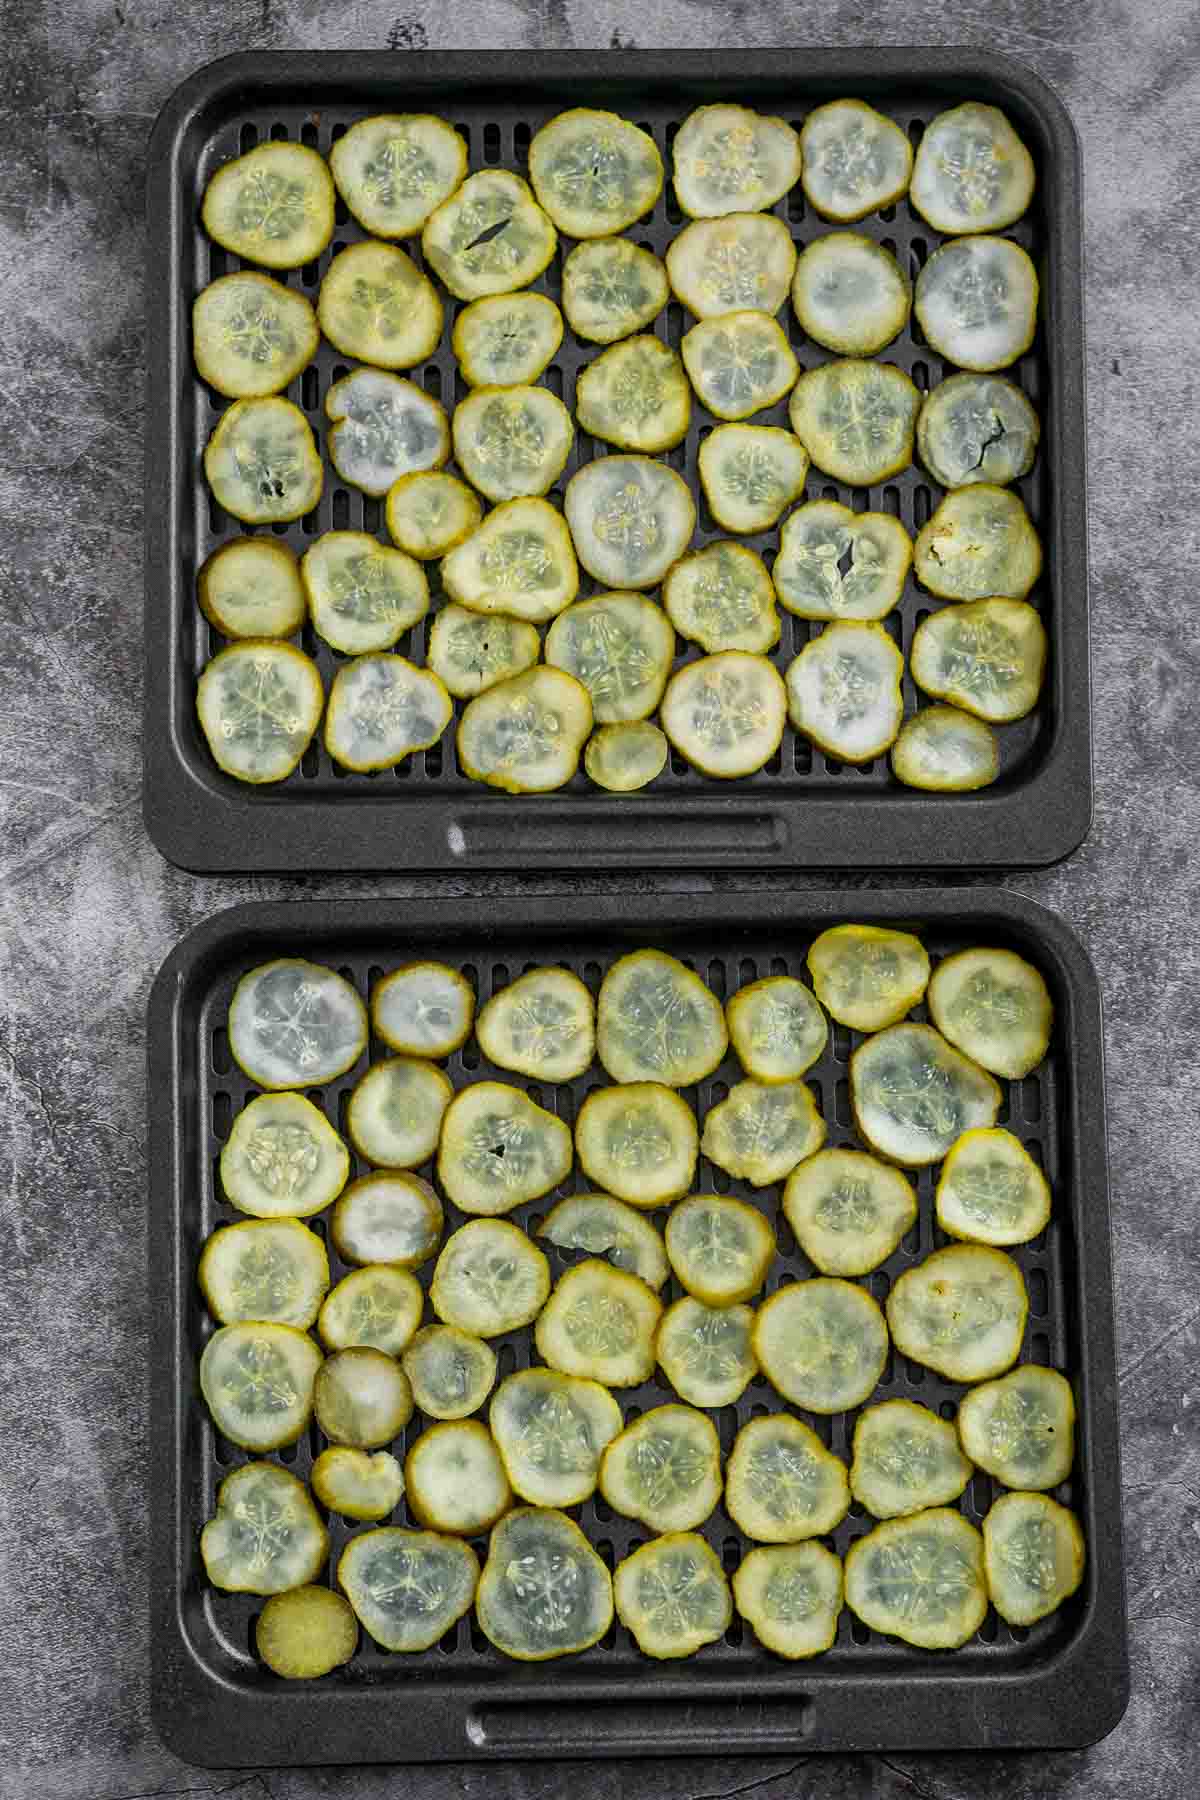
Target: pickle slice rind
point(995, 1007)
point(986, 656)
point(257, 1381)
point(635, 395)
point(490, 237)
point(972, 172)
point(361, 1397)
point(551, 1431)
point(542, 1024)
point(976, 300)
point(393, 169)
point(776, 1027)
point(630, 519)
point(604, 1226)
point(856, 419)
point(489, 1279)
point(848, 1211)
point(822, 1343)
point(868, 976)
point(856, 161)
point(306, 1633)
point(673, 1596)
point(383, 708)
point(359, 1484)
point(274, 1270)
point(499, 1149)
point(991, 1191)
point(251, 336)
point(384, 427)
point(251, 588)
point(782, 1484)
point(639, 1141)
point(431, 513)
point(920, 1579)
point(544, 1592)
point(906, 1459)
point(612, 288)
point(265, 1536)
point(837, 564)
point(408, 1587)
point(600, 1323)
point(762, 1130)
point(362, 596)
point(739, 363)
point(377, 306)
point(451, 1372)
point(262, 462)
point(979, 545)
point(850, 294)
point(1021, 1427)
point(720, 1248)
point(844, 690)
point(705, 1351)
point(620, 647)
point(594, 172)
point(791, 1596)
point(664, 1469)
point(454, 1479)
point(961, 1312)
point(473, 651)
point(394, 1115)
point(521, 561)
point(913, 1094)
point(423, 1009)
point(731, 159)
point(974, 428)
point(750, 474)
point(512, 442)
point(506, 340)
point(283, 1159)
point(626, 757)
point(295, 1024)
point(742, 262)
point(726, 713)
point(274, 205)
point(945, 750)
point(657, 1021)
point(376, 1307)
point(1034, 1554)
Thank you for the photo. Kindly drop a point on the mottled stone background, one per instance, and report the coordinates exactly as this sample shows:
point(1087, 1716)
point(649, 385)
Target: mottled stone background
point(88, 909)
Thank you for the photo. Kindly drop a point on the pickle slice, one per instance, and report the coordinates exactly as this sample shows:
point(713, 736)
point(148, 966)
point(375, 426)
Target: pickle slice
point(506, 340)
point(822, 1343)
point(749, 474)
point(974, 428)
point(946, 751)
point(844, 690)
point(295, 1024)
point(472, 651)
point(782, 1484)
point(525, 734)
point(408, 1587)
point(273, 206)
point(1034, 1555)
point(976, 301)
point(762, 1130)
point(961, 1312)
point(639, 1139)
point(257, 1381)
point(776, 1028)
point(394, 1116)
point(635, 395)
point(551, 1431)
point(624, 758)
point(741, 263)
point(868, 976)
point(393, 169)
point(905, 1459)
point(657, 1021)
point(612, 288)
point(599, 1323)
point(594, 172)
point(377, 1307)
point(630, 518)
point(266, 1535)
point(542, 1024)
point(388, 1217)
point(848, 1211)
point(739, 363)
point(723, 598)
point(913, 1094)
point(491, 237)
point(521, 561)
point(275, 1270)
point(423, 1008)
point(991, 1191)
point(621, 647)
point(987, 656)
point(251, 335)
point(664, 1469)
point(283, 1159)
point(306, 1633)
point(855, 160)
point(376, 306)
point(251, 588)
point(850, 294)
point(995, 1007)
point(511, 442)
point(489, 1279)
point(361, 595)
point(385, 427)
point(719, 1248)
point(1021, 1428)
point(452, 1372)
point(837, 564)
point(726, 713)
point(544, 1592)
point(606, 1227)
point(979, 544)
point(705, 1352)
point(920, 1579)
point(499, 1149)
point(455, 1480)
point(261, 462)
point(361, 1397)
point(972, 172)
point(856, 419)
point(359, 1484)
point(730, 159)
point(673, 1596)
point(383, 708)
point(791, 1597)
point(431, 513)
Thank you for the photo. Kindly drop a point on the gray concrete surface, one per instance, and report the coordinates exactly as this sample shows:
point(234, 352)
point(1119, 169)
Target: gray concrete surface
point(87, 908)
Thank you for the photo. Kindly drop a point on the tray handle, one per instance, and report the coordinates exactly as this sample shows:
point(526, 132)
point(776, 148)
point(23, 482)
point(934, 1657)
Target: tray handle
point(600, 1727)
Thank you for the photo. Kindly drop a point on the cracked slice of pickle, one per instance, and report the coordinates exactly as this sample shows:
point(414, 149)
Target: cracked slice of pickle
point(656, 1021)
point(673, 1596)
point(1020, 1428)
point(383, 708)
point(251, 588)
point(472, 651)
point(844, 690)
point(920, 1579)
point(848, 1211)
point(500, 1149)
point(980, 544)
point(594, 172)
point(259, 703)
point(361, 1397)
point(945, 751)
point(913, 1094)
point(262, 462)
point(431, 513)
point(512, 442)
point(1034, 1555)
point(451, 1372)
point(994, 1006)
point(607, 1227)
point(408, 1588)
point(295, 1024)
point(868, 976)
point(506, 340)
point(376, 1307)
point(731, 159)
point(387, 1217)
point(274, 206)
point(423, 1008)
point(638, 1140)
point(635, 395)
point(525, 734)
point(976, 300)
point(620, 647)
point(782, 1484)
point(491, 237)
point(544, 1592)
point(257, 1381)
point(541, 1024)
point(521, 561)
point(274, 1270)
point(600, 1323)
point(749, 474)
point(612, 288)
point(664, 1469)
point(856, 419)
point(972, 172)
point(822, 1343)
point(624, 758)
point(790, 1595)
point(283, 1159)
point(905, 1459)
point(266, 1535)
point(551, 1431)
point(251, 335)
point(776, 1027)
point(722, 598)
point(384, 427)
point(991, 1191)
point(739, 363)
point(454, 1479)
point(359, 1484)
point(377, 306)
point(837, 564)
point(986, 656)
point(394, 168)
point(762, 1130)
point(394, 1115)
point(850, 294)
point(726, 713)
point(705, 1351)
point(961, 1312)
point(720, 1248)
point(361, 595)
point(630, 519)
point(306, 1633)
point(489, 1279)
point(741, 263)
point(974, 428)
point(856, 161)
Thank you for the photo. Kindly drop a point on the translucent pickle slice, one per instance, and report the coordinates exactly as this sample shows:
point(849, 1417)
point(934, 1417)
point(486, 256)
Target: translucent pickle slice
point(544, 1592)
point(946, 751)
point(361, 595)
point(739, 363)
point(551, 1431)
point(266, 1535)
point(606, 1227)
point(639, 1141)
point(408, 1587)
point(384, 427)
point(424, 1008)
point(732, 159)
point(848, 1211)
point(850, 294)
point(489, 1279)
point(920, 1579)
point(776, 1027)
point(791, 1597)
point(975, 428)
point(976, 301)
point(844, 690)
point(620, 647)
point(542, 1024)
point(257, 1381)
point(750, 474)
point(705, 1351)
point(722, 597)
point(394, 1116)
point(624, 758)
point(512, 442)
point(295, 1024)
point(664, 1469)
point(726, 713)
point(251, 588)
point(979, 544)
point(855, 160)
point(762, 1130)
point(376, 305)
point(630, 519)
point(472, 651)
point(283, 1159)
point(822, 1343)
point(275, 1270)
point(635, 395)
point(600, 1323)
point(996, 1007)
point(259, 704)
point(781, 1484)
point(392, 170)
point(740, 263)
point(913, 1094)
point(377, 1307)
point(306, 1633)
point(612, 288)
point(961, 1312)
point(506, 339)
point(868, 976)
point(499, 1149)
point(987, 656)
point(719, 1248)
point(273, 206)
point(261, 462)
point(383, 708)
point(905, 1459)
point(359, 1484)
point(991, 1191)
point(491, 237)
point(1021, 1428)
point(657, 1021)
point(594, 172)
point(431, 513)
point(251, 335)
point(361, 1397)
point(388, 1217)
point(455, 1480)
point(673, 1596)
point(521, 561)
point(837, 564)
point(451, 1372)
point(1034, 1555)
point(972, 172)
point(856, 419)
point(525, 734)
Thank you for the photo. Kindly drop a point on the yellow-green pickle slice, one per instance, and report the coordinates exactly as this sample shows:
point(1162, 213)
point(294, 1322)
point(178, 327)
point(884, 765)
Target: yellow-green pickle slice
point(612, 288)
point(600, 1323)
point(594, 172)
point(762, 1130)
point(551, 1431)
point(976, 300)
point(920, 1579)
point(791, 1597)
point(673, 1596)
point(394, 1116)
point(749, 474)
point(782, 1484)
point(621, 647)
point(776, 1027)
point(705, 1351)
point(257, 1381)
point(739, 363)
point(295, 1024)
point(844, 690)
point(377, 306)
point(491, 237)
point(499, 1149)
point(384, 427)
point(431, 513)
point(986, 656)
point(376, 1307)
point(541, 1024)
point(506, 340)
point(980, 544)
point(1034, 1555)
point(850, 294)
point(856, 419)
point(657, 1021)
point(991, 1191)
point(837, 564)
point(630, 518)
point(455, 1480)
point(472, 651)
point(489, 1279)
point(723, 598)
point(273, 206)
point(822, 1343)
point(359, 1484)
point(913, 1094)
point(1021, 1428)
point(664, 1469)
point(996, 1007)
point(361, 595)
point(521, 561)
point(511, 442)
point(383, 708)
point(606, 1227)
point(275, 1270)
point(868, 976)
point(251, 335)
point(856, 161)
point(848, 1211)
point(251, 588)
point(544, 1592)
point(962, 1312)
point(638, 1140)
point(905, 1459)
point(283, 1159)
point(262, 462)
point(388, 1217)
point(726, 713)
point(624, 758)
point(731, 159)
point(361, 1397)
point(408, 1588)
point(972, 172)
point(946, 751)
point(451, 1372)
point(742, 263)
point(720, 1248)
point(424, 1008)
point(635, 395)
point(306, 1633)
point(975, 428)
point(266, 1535)
point(393, 169)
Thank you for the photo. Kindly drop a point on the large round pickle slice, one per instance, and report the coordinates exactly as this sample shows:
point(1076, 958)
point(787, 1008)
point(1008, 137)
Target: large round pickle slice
point(375, 1308)
point(266, 1535)
point(673, 1596)
point(720, 1248)
point(544, 1592)
point(639, 1141)
point(657, 1021)
point(250, 587)
point(473, 651)
point(361, 1397)
point(976, 300)
point(512, 442)
point(507, 339)
point(621, 647)
point(251, 335)
point(975, 428)
point(362, 596)
point(283, 1159)
point(856, 419)
point(257, 1381)
point(384, 428)
point(525, 734)
point(635, 395)
point(741, 263)
point(776, 1027)
point(972, 172)
point(762, 1130)
point(600, 1323)
point(731, 159)
point(913, 1094)
point(822, 1343)
point(612, 288)
point(275, 1270)
point(262, 462)
point(630, 519)
point(551, 1431)
point(790, 1595)
point(750, 474)
point(726, 713)
point(394, 168)
point(499, 1149)
point(850, 294)
point(594, 172)
point(359, 1484)
point(837, 564)
point(1034, 1555)
point(868, 976)
point(451, 1372)
point(455, 1480)
point(848, 1211)
point(705, 1351)
point(1021, 1428)
point(945, 751)
point(844, 690)
point(408, 1587)
point(295, 1024)
point(489, 1279)
point(856, 161)
point(273, 206)
point(377, 306)
point(423, 1008)
point(664, 1469)
point(920, 1579)
point(980, 544)
point(521, 561)
point(542, 1024)
point(606, 1227)
point(987, 656)
point(491, 237)
point(961, 1312)
point(905, 1459)
point(305, 1633)
point(383, 708)
point(739, 363)
point(387, 1217)
point(394, 1115)
point(991, 1191)
point(996, 1007)
point(782, 1484)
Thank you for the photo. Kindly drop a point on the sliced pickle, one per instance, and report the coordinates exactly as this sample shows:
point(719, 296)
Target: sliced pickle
point(359, 1484)
point(251, 588)
point(974, 428)
point(749, 474)
point(606, 1227)
point(638, 1140)
point(1034, 1555)
point(295, 1024)
point(726, 713)
point(257, 1381)
point(273, 206)
point(251, 335)
point(454, 1479)
point(274, 1270)
point(451, 1372)
point(506, 340)
point(551, 1431)
point(776, 1028)
point(521, 561)
point(723, 598)
point(657, 1021)
point(972, 172)
point(791, 1597)
point(594, 172)
point(705, 1351)
point(762, 1130)
point(979, 544)
point(856, 419)
point(731, 159)
point(995, 1007)
point(741, 263)
point(491, 237)
point(822, 1343)
point(635, 395)
point(266, 1535)
point(850, 294)
point(664, 1469)
point(408, 1587)
point(738, 363)
point(624, 758)
point(855, 160)
point(946, 751)
point(383, 708)
point(673, 1596)
point(361, 1397)
point(987, 656)
point(394, 1116)
point(719, 1248)
point(306, 1633)
point(621, 647)
point(630, 519)
point(599, 1323)
point(388, 1217)
point(499, 1149)
point(905, 1459)
point(782, 1484)
point(283, 1159)
point(489, 1279)
point(393, 169)
point(1021, 1428)
point(377, 306)
point(844, 690)
point(431, 513)
point(373, 1308)
point(361, 595)
point(848, 1211)
point(612, 288)
point(961, 1312)
point(837, 564)
point(920, 1579)
point(544, 1592)
point(991, 1191)
point(868, 976)
point(977, 302)
point(525, 734)
point(385, 427)
point(913, 1094)
point(512, 442)
point(472, 651)
point(423, 1008)
point(262, 463)
point(542, 1024)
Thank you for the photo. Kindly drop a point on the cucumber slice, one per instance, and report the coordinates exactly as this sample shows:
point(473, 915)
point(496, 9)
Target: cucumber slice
point(657, 1021)
point(749, 474)
point(791, 1597)
point(408, 1587)
point(744, 262)
point(520, 561)
point(1034, 1555)
point(376, 306)
point(822, 1343)
point(726, 713)
point(373, 1308)
point(664, 1469)
point(251, 335)
point(946, 751)
point(719, 1248)
point(850, 294)
point(996, 1007)
point(606, 1227)
point(972, 172)
point(431, 513)
point(612, 288)
point(977, 302)
point(855, 160)
point(974, 428)
point(275, 1270)
point(544, 1592)
point(361, 595)
point(738, 363)
point(848, 1211)
point(266, 1535)
point(991, 1191)
point(838, 564)
point(723, 598)
point(257, 1381)
point(273, 206)
point(385, 427)
point(920, 1579)
point(381, 709)
point(452, 1372)
point(913, 1094)
point(1021, 1428)
point(283, 1159)
point(961, 1312)
point(987, 656)
point(844, 690)
point(599, 1323)
point(673, 1596)
point(552, 1430)
point(359, 1484)
point(361, 1397)
point(868, 976)
point(491, 237)
point(776, 1028)
point(762, 1130)
point(472, 651)
point(624, 758)
point(489, 1279)
point(262, 463)
point(394, 1116)
point(638, 1140)
point(635, 395)
point(259, 703)
point(499, 1149)
point(525, 734)
point(731, 159)
point(389, 1217)
point(542, 1024)
point(856, 419)
point(506, 340)
point(511, 442)
point(630, 519)
point(306, 1633)
point(295, 1024)
point(979, 544)
point(423, 1008)
point(251, 588)
point(905, 1459)
point(782, 1484)
point(705, 1352)
point(594, 172)
point(392, 170)
point(621, 647)
point(455, 1480)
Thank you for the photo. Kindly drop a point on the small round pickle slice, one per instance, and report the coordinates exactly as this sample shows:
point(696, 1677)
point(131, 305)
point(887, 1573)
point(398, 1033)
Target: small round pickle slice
point(274, 1270)
point(974, 428)
point(782, 1484)
point(749, 474)
point(673, 1596)
point(600, 1323)
point(521, 561)
point(266, 1535)
point(961, 1312)
point(251, 588)
point(621, 647)
point(489, 1279)
point(361, 595)
point(776, 1028)
point(638, 1140)
point(499, 1149)
point(262, 462)
point(408, 1587)
point(612, 288)
point(455, 1480)
point(741, 263)
point(630, 519)
point(856, 419)
point(551, 1431)
point(424, 1008)
point(664, 1469)
point(731, 159)
point(377, 1307)
point(726, 713)
point(635, 395)
point(283, 1159)
point(739, 363)
point(295, 1024)
point(594, 172)
point(274, 206)
point(544, 1592)
point(705, 1353)
point(972, 172)
point(720, 1248)
point(837, 564)
point(359, 1484)
point(791, 1597)
point(850, 294)
point(657, 1021)
point(722, 597)
point(472, 651)
point(431, 513)
point(361, 1397)
point(306, 1633)
point(388, 1217)
point(920, 1579)
point(377, 306)
point(1021, 1428)
point(251, 335)
point(394, 1115)
point(991, 1191)
point(383, 708)
point(394, 168)
point(525, 734)
point(976, 300)
point(995, 1007)
point(868, 976)
point(512, 442)
point(491, 237)
point(905, 1459)
point(385, 427)
point(542, 1024)
point(257, 1381)
point(913, 1094)
point(762, 1130)
point(451, 1372)
point(946, 751)
point(606, 1227)
point(506, 340)
point(844, 690)
point(848, 1211)
point(987, 656)
point(856, 161)
point(1034, 1555)
point(822, 1343)
point(980, 544)
point(624, 758)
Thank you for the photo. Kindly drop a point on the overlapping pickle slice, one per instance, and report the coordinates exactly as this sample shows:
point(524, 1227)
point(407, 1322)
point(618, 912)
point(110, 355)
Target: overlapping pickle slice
point(850, 294)
point(612, 288)
point(544, 1592)
point(275, 1270)
point(822, 1343)
point(720, 1248)
point(266, 1535)
point(791, 1597)
point(996, 1007)
point(451, 1372)
point(946, 751)
point(664, 1469)
point(261, 462)
point(905, 1459)
point(740, 263)
point(541, 1024)
point(673, 1596)
point(423, 1008)
point(394, 1116)
point(972, 172)
point(776, 1027)
point(976, 300)
point(961, 1312)
point(512, 442)
point(837, 564)
point(295, 1024)
point(657, 1021)
point(499, 1149)
point(551, 1431)
point(626, 757)
point(979, 544)
point(986, 656)
point(521, 561)
point(635, 395)
point(920, 1579)
point(431, 513)
point(762, 1130)
point(620, 647)
point(856, 419)
point(913, 1094)
point(739, 363)
point(361, 595)
point(361, 1397)
point(377, 306)
point(388, 1217)
point(251, 335)
point(782, 1484)
point(472, 651)
point(975, 428)
point(306, 1633)
point(639, 1140)
point(384, 427)
point(731, 159)
point(705, 1351)
point(408, 1587)
point(726, 713)
point(868, 976)
point(377, 1307)
point(506, 340)
point(251, 588)
point(1021, 1428)
point(848, 1210)
point(394, 168)
point(630, 518)
point(991, 1191)
point(855, 160)
point(1034, 1555)
point(844, 690)
point(273, 206)
point(383, 708)
point(283, 1159)
point(607, 1227)
point(455, 1480)
point(489, 1279)
point(723, 598)
point(257, 1381)
point(491, 237)
point(600, 1323)
point(594, 172)
point(749, 474)
point(359, 1484)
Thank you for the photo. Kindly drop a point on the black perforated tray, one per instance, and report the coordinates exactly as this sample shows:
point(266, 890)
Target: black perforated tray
point(803, 808)
point(1063, 1682)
